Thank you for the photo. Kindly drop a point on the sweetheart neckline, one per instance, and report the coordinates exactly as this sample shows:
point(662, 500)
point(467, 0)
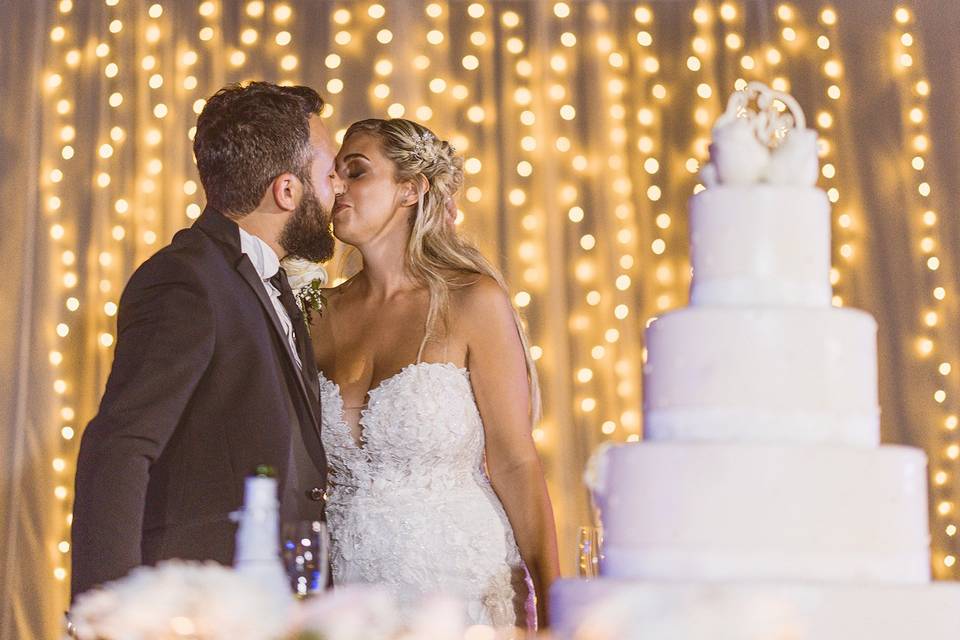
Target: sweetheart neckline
point(360, 444)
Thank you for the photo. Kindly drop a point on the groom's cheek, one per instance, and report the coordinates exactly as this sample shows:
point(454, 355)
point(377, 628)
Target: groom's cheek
point(325, 195)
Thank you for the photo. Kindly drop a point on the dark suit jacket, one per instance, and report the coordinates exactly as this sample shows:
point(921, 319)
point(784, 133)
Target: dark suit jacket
point(202, 390)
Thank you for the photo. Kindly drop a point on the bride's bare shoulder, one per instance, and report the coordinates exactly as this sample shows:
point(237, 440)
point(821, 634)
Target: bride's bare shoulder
point(479, 298)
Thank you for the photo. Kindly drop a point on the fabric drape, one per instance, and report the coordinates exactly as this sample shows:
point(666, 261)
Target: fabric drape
point(577, 185)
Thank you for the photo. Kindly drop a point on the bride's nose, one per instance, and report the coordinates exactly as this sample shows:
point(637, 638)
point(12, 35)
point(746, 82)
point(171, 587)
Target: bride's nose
point(339, 186)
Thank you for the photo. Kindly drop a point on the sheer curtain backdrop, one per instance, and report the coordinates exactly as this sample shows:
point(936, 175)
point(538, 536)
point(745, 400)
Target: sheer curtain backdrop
point(583, 124)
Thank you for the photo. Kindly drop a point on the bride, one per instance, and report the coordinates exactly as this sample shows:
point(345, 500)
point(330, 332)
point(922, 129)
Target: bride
point(429, 395)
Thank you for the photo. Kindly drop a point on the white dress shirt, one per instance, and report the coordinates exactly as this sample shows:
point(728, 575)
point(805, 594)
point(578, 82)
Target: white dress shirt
point(266, 262)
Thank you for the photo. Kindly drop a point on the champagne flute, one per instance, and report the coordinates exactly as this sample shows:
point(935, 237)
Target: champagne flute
point(306, 548)
point(588, 547)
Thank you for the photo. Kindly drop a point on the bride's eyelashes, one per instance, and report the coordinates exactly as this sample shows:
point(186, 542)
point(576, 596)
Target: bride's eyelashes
point(352, 170)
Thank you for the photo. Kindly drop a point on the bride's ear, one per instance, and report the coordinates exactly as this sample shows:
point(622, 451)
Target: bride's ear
point(412, 189)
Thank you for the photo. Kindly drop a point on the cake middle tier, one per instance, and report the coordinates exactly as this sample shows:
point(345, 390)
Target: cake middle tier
point(706, 512)
point(800, 375)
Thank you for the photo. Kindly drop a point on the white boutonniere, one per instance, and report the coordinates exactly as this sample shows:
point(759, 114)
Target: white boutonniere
point(307, 280)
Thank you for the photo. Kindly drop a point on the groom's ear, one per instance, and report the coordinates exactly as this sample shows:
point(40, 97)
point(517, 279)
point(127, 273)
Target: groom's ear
point(412, 190)
point(286, 189)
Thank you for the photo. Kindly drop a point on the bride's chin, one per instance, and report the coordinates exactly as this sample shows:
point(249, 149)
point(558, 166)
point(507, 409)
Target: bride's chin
point(341, 233)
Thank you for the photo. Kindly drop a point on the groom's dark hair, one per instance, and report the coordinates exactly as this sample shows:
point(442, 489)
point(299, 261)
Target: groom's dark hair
point(247, 135)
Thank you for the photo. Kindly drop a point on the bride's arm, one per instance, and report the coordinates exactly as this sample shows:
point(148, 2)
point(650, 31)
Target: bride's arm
point(499, 378)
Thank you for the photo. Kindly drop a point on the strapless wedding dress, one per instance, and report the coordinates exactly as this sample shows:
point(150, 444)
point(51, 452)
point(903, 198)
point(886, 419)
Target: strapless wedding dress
point(410, 506)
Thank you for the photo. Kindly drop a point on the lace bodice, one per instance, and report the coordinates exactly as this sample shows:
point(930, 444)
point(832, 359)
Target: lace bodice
point(410, 506)
point(405, 432)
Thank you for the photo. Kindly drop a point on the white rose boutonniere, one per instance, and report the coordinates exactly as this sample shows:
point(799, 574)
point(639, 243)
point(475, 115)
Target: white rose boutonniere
point(307, 280)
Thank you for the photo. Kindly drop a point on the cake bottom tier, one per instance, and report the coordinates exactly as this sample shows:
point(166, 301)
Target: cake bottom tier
point(608, 609)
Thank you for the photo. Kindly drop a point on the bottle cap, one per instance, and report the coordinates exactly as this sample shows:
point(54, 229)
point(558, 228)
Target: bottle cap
point(265, 471)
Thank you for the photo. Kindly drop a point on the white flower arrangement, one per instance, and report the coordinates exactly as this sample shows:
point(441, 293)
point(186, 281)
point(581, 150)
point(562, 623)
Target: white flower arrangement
point(348, 613)
point(179, 599)
point(307, 280)
point(206, 601)
point(370, 613)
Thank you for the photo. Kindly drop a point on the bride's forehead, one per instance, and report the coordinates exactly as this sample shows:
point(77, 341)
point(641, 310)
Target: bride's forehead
point(361, 143)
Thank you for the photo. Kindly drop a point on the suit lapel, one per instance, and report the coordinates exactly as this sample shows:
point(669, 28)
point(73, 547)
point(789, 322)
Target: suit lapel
point(225, 231)
point(249, 273)
point(311, 379)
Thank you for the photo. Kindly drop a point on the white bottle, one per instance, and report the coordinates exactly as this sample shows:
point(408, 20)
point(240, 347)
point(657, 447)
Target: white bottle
point(258, 536)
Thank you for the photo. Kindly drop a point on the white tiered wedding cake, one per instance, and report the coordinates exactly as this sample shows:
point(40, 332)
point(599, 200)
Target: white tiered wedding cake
point(761, 505)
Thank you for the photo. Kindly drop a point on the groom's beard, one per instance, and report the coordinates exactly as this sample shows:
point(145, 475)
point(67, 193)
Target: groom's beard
point(307, 233)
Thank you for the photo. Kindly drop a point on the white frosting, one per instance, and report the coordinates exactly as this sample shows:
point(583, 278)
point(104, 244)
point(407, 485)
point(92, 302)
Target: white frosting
point(754, 366)
point(712, 565)
point(716, 512)
point(761, 245)
point(634, 610)
point(750, 424)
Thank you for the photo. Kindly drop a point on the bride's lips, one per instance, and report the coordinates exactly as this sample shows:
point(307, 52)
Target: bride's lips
point(340, 206)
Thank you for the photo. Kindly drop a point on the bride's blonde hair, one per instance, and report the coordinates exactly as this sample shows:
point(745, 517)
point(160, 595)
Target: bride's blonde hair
point(434, 246)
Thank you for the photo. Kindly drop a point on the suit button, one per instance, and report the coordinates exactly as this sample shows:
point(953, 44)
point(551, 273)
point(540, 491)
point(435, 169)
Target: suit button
point(316, 494)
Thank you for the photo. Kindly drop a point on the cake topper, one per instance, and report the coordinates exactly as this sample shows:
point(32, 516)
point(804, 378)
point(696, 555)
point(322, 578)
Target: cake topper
point(762, 137)
point(770, 122)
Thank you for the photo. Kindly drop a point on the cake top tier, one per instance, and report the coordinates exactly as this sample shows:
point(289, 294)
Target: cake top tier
point(762, 138)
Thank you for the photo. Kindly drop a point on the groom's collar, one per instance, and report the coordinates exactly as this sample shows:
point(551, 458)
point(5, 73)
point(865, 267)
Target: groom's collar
point(220, 228)
point(263, 257)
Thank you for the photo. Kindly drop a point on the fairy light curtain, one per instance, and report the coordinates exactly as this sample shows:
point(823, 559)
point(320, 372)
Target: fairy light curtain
point(583, 125)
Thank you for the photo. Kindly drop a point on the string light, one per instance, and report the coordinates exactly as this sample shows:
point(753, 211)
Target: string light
point(936, 344)
point(624, 296)
point(518, 113)
point(844, 223)
point(573, 167)
point(704, 113)
point(57, 194)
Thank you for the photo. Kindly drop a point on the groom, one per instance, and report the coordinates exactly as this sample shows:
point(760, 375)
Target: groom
point(214, 372)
